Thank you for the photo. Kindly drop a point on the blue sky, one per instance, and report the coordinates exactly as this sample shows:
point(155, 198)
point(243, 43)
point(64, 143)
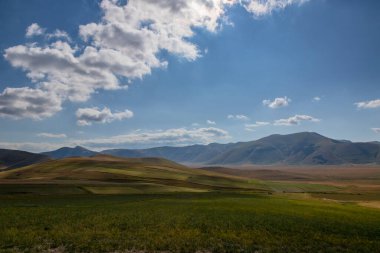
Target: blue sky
point(102, 75)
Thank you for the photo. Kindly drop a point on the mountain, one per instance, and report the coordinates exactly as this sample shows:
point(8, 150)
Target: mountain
point(300, 148)
point(14, 158)
point(70, 152)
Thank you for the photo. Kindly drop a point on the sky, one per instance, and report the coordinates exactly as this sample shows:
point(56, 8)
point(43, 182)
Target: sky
point(142, 73)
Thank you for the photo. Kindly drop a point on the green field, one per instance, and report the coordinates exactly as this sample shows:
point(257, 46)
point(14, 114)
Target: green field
point(208, 222)
point(106, 204)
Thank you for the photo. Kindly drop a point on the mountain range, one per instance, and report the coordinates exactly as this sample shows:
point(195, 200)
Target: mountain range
point(304, 148)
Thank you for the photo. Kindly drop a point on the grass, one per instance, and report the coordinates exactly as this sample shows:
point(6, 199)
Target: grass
point(300, 187)
point(214, 222)
point(138, 188)
point(108, 204)
point(107, 169)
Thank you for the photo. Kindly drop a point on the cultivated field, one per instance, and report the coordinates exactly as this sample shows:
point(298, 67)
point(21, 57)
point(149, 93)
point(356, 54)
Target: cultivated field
point(108, 204)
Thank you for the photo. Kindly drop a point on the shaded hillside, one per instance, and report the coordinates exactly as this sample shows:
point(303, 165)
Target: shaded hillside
point(300, 148)
point(15, 158)
point(70, 152)
point(132, 174)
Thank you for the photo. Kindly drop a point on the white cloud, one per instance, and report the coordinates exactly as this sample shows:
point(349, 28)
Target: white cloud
point(368, 104)
point(317, 99)
point(260, 8)
point(87, 116)
point(125, 45)
point(210, 122)
point(376, 130)
point(52, 135)
point(34, 30)
point(59, 34)
point(141, 29)
point(295, 120)
point(252, 127)
point(175, 137)
point(277, 102)
point(238, 117)
point(55, 68)
point(28, 103)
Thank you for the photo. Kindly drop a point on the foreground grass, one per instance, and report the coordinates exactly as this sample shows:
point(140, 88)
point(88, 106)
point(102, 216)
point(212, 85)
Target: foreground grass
point(216, 222)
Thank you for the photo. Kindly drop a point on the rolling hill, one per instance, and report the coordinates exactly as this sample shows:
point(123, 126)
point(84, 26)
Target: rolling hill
point(300, 148)
point(14, 158)
point(107, 174)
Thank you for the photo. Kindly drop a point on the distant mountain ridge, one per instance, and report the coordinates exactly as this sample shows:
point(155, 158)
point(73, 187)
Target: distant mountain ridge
point(10, 159)
point(70, 152)
point(306, 148)
point(300, 148)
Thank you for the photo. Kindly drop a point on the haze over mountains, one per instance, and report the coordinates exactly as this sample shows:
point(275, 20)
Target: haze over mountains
point(294, 149)
point(299, 148)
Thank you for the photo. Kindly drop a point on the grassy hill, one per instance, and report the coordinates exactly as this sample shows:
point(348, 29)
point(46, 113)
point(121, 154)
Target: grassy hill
point(108, 174)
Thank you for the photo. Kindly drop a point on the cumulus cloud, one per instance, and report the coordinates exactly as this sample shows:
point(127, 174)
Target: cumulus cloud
point(34, 30)
point(28, 103)
point(124, 45)
point(277, 102)
point(295, 120)
point(317, 99)
point(260, 8)
point(87, 116)
point(210, 122)
point(252, 127)
point(56, 69)
point(238, 117)
point(52, 135)
point(372, 104)
point(142, 28)
point(376, 130)
point(174, 137)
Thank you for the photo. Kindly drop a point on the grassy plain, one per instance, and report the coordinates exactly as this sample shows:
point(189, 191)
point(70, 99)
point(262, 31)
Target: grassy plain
point(208, 222)
point(106, 204)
